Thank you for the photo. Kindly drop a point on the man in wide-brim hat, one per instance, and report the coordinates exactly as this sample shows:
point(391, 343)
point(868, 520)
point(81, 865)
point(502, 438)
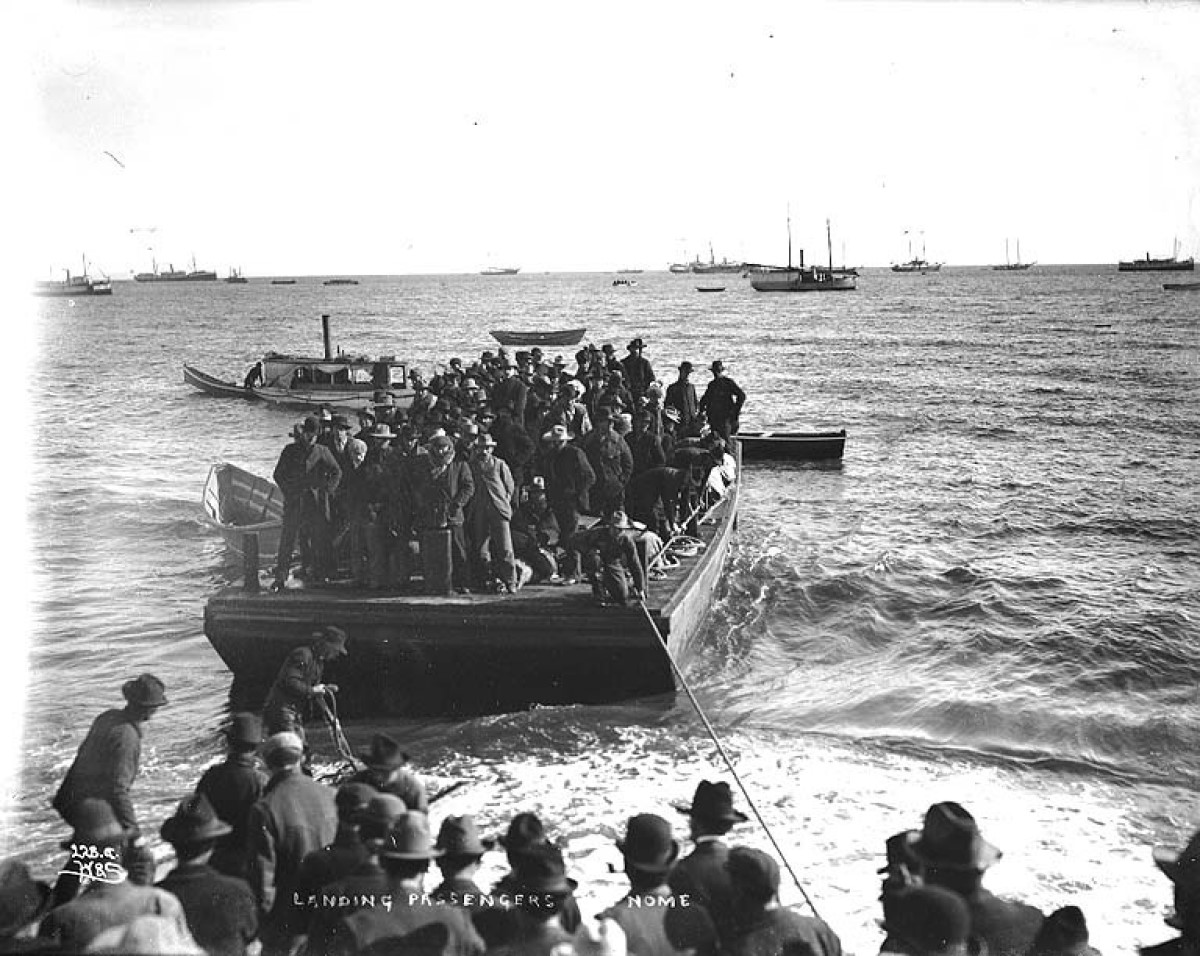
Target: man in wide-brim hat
point(405, 856)
point(569, 479)
point(109, 758)
point(233, 787)
point(702, 873)
point(649, 851)
point(307, 474)
point(386, 770)
point(220, 910)
point(638, 371)
point(299, 682)
point(462, 851)
point(722, 402)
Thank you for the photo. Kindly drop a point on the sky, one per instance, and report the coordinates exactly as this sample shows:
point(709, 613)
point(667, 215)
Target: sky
point(386, 138)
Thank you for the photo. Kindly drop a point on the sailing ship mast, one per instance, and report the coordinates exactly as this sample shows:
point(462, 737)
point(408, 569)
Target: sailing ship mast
point(829, 245)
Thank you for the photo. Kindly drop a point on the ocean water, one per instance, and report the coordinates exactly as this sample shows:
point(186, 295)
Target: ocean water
point(995, 598)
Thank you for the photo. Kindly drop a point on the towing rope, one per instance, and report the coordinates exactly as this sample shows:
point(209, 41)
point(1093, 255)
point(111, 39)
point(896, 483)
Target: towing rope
point(683, 681)
point(328, 704)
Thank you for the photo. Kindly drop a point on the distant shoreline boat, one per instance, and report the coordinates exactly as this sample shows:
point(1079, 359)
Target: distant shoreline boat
point(176, 275)
point(1170, 264)
point(917, 264)
point(283, 282)
point(500, 271)
point(712, 267)
point(1181, 286)
point(341, 282)
point(802, 278)
point(235, 277)
point(73, 286)
point(1010, 266)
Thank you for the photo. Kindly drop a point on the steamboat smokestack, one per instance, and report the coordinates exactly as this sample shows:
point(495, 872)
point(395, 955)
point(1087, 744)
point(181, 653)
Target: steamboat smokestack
point(328, 341)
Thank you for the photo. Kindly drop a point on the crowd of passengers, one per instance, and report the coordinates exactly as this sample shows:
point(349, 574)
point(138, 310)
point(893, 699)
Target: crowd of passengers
point(509, 470)
point(269, 859)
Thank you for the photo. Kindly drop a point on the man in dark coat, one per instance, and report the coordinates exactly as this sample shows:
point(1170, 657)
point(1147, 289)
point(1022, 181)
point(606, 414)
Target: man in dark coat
point(763, 927)
point(1182, 868)
point(654, 498)
point(442, 487)
point(649, 851)
point(949, 851)
point(638, 372)
point(462, 851)
point(386, 771)
point(722, 402)
point(307, 474)
point(709, 922)
point(295, 816)
point(514, 445)
point(298, 682)
point(109, 758)
point(220, 909)
point(612, 462)
point(535, 534)
point(569, 479)
point(346, 852)
point(681, 396)
point(645, 444)
point(232, 788)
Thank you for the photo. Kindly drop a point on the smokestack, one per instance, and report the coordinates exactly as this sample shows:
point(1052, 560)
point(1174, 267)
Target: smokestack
point(325, 334)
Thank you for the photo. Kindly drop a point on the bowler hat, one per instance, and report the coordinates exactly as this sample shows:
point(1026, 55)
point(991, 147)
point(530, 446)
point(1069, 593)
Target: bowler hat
point(524, 830)
point(95, 823)
point(717, 366)
point(755, 872)
point(332, 637)
point(648, 845)
point(1063, 933)
point(557, 433)
point(540, 869)
point(376, 819)
point(352, 798)
point(283, 748)
point(145, 691)
point(244, 730)
point(459, 836)
point(950, 839)
point(340, 421)
point(713, 803)
point(194, 822)
point(607, 347)
point(384, 753)
point(929, 918)
point(636, 344)
point(22, 898)
point(686, 366)
point(409, 839)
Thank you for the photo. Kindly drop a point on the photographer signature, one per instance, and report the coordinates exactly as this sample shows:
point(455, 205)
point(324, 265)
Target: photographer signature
point(101, 864)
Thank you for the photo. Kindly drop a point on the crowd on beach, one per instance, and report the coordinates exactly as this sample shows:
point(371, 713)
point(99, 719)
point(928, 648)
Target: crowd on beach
point(269, 859)
point(505, 471)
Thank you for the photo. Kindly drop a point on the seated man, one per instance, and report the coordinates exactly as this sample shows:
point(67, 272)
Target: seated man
point(613, 562)
point(535, 534)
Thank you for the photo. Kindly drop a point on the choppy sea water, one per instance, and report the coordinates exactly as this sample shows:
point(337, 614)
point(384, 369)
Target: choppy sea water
point(994, 599)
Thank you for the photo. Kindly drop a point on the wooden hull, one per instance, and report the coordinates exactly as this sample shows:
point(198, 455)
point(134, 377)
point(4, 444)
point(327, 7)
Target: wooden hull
point(1157, 265)
point(791, 282)
point(471, 654)
point(237, 502)
point(792, 446)
point(1182, 286)
point(556, 337)
point(215, 386)
point(710, 288)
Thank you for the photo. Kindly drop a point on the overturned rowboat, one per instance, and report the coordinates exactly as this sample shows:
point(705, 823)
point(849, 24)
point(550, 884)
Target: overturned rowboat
point(792, 446)
point(533, 337)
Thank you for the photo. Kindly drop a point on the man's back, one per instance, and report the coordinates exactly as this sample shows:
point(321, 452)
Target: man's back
point(358, 931)
point(220, 910)
point(105, 766)
point(102, 906)
point(776, 931)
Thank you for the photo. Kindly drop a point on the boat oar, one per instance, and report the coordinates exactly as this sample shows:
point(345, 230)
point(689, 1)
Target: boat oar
point(458, 785)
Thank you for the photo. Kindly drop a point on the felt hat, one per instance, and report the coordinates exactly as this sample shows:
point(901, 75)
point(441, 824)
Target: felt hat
point(608, 348)
point(686, 366)
point(22, 898)
point(409, 839)
point(557, 433)
point(636, 344)
point(524, 830)
point(540, 869)
point(310, 424)
point(384, 753)
point(194, 821)
point(927, 918)
point(376, 819)
point(717, 366)
point(283, 748)
point(145, 691)
point(352, 798)
point(648, 844)
point(459, 836)
point(95, 824)
point(536, 352)
point(1063, 933)
point(950, 840)
point(755, 872)
point(486, 441)
point(559, 361)
point(244, 730)
point(340, 421)
point(331, 636)
point(381, 430)
point(713, 803)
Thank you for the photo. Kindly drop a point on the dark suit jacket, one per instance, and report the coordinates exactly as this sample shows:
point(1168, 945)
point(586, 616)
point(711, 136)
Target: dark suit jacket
point(220, 910)
point(702, 875)
point(232, 788)
point(105, 767)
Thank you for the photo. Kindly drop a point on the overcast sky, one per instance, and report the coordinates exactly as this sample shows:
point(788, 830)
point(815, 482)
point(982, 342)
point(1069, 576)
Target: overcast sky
point(363, 138)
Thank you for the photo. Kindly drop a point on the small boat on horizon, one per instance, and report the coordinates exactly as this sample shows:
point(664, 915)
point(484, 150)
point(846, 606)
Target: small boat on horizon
point(918, 264)
point(710, 288)
point(1010, 266)
point(283, 282)
point(73, 286)
point(1182, 286)
point(712, 267)
point(341, 282)
point(1171, 263)
point(500, 271)
point(176, 275)
point(235, 277)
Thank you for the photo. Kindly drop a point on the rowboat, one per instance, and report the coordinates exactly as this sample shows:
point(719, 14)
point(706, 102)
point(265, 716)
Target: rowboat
point(531, 337)
point(461, 655)
point(340, 381)
point(237, 502)
point(1182, 286)
point(710, 288)
point(791, 446)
